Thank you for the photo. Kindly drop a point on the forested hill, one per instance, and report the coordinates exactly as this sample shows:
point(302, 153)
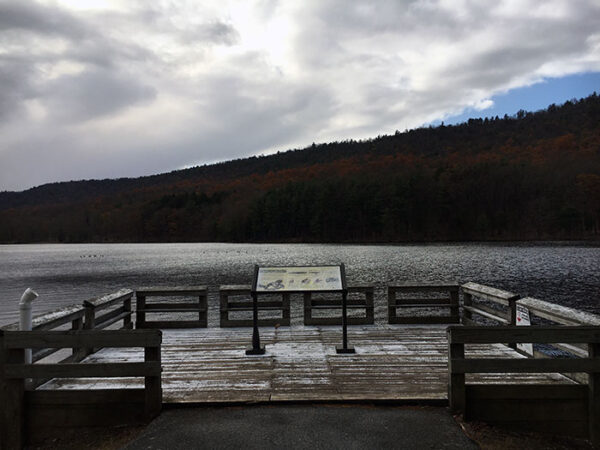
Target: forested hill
point(528, 176)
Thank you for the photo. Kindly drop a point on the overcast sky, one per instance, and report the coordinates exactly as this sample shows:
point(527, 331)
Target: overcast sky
point(105, 89)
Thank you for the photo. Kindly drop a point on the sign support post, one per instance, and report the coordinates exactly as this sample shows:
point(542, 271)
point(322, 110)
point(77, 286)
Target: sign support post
point(298, 280)
point(256, 348)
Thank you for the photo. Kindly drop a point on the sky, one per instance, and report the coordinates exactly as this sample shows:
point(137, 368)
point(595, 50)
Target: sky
point(107, 89)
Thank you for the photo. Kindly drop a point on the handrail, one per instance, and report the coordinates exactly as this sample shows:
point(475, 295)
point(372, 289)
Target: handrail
point(459, 365)
point(122, 297)
point(14, 371)
point(440, 296)
point(506, 299)
point(199, 307)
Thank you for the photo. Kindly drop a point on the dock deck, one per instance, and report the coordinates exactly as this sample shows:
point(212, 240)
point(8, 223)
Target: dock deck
point(392, 362)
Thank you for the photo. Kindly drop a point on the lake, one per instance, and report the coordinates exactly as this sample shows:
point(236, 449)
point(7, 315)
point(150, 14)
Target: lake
point(565, 273)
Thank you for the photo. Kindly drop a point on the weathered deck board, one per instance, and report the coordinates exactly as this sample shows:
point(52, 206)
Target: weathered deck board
point(392, 362)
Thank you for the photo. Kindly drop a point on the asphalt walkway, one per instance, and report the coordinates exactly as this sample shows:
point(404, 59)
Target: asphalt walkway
point(303, 427)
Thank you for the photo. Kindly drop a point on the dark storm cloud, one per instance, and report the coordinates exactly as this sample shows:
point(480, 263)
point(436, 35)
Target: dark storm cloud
point(94, 93)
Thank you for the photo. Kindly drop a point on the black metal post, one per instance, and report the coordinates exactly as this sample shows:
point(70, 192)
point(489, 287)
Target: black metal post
point(344, 348)
point(255, 349)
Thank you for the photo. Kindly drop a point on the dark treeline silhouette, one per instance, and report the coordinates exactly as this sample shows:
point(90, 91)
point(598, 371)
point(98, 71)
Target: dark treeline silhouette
point(528, 176)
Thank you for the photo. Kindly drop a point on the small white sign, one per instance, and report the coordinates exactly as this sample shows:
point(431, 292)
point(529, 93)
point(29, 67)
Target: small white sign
point(524, 320)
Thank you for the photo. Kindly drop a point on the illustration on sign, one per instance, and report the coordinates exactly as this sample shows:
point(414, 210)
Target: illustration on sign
point(314, 278)
point(523, 320)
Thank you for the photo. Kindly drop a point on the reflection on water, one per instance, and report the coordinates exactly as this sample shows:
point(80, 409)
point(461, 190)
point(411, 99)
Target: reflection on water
point(69, 274)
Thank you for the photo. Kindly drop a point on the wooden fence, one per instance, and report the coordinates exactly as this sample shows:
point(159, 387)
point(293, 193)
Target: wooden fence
point(236, 298)
point(474, 297)
point(360, 298)
point(32, 414)
point(570, 408)
point(438, 297)
point(198, 309)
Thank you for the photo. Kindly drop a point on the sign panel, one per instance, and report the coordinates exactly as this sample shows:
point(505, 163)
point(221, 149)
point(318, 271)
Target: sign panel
point(302, 278)
point(524, 320)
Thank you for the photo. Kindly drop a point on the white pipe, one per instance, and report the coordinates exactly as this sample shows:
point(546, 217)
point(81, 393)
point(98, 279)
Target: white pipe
point(25, 316)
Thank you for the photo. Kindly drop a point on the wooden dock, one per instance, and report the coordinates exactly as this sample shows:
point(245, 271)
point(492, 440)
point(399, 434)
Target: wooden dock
point(392, 362)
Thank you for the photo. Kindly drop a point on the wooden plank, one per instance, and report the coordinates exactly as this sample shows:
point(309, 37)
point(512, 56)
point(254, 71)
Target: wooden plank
point(421, 320)
point(74, 370)
point(152, 384)
point(169, 324)
point(12, 418)
point(425, 287)
point(82, 397)
point(481, 312)
point(192, 291)
point(594, 397)
point(527, 391)
point(108, 300)
point(517, 334)
point(497, 365)
point(163, 307)
point(84, 338)
point(109, 322)
point(456, 380)
point(489, 293)
point(559, 313)
point(52, 319)
point(409, 302)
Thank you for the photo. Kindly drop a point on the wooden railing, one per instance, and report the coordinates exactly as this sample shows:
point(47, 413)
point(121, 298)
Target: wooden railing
point(568, 408)
point(474, 296)
point(236, 298)
point(115, 307)
point(359, 298)
point(72, 315)
point(48, 409)
point(428, 297)
point(197, 309)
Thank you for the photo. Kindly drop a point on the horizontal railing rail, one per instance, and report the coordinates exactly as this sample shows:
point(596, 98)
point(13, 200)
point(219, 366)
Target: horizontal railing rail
point(14, 371)
point(462, 400)
point(198, 309)
point(474, 296)
point(237, 298)
point(360, 298)
point(427, 297)
point(115, 307)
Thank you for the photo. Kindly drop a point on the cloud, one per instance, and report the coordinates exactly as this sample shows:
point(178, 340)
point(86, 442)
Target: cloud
point(132, 88)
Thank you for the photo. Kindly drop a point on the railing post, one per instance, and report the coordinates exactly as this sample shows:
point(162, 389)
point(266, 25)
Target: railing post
point(454, 305)
point(456, 381)
point(468, 315)
point(153, 384)
point(369, 305)
point(12, 398)
point(391, 296)
point(88, 324)
point(140, 314)
point(512, 305)
point(285, 307)
point(594, 398)
point(307, 306)
point(127, 323)
point(78, 352)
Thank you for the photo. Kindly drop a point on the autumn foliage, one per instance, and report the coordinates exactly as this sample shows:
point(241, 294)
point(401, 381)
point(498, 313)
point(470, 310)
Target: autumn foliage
point(531, 176)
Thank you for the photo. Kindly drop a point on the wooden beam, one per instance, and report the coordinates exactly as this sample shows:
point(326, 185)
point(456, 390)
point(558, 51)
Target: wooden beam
point(84, 338)
point(525, 365)
point(76, 370)
point(516, 334)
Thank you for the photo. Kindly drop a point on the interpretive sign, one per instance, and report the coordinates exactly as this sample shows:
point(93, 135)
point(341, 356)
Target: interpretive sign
point(524, 320)
point(299, 278)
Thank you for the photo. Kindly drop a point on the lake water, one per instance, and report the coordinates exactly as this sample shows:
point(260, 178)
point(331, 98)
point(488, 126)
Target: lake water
point(567, 274)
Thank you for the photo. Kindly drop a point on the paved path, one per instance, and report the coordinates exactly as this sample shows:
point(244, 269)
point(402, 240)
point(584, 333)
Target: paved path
point(303, 427)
